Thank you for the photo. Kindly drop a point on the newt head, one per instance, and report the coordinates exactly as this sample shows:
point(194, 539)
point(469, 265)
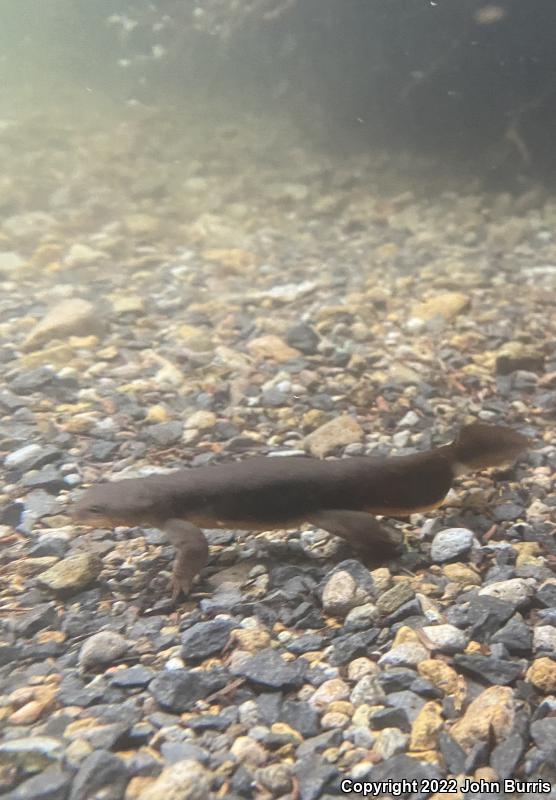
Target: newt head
point(480, 446)
point(112, 504)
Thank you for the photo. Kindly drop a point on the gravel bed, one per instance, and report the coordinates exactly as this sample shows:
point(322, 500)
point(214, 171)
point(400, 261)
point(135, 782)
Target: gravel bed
point(170, 298)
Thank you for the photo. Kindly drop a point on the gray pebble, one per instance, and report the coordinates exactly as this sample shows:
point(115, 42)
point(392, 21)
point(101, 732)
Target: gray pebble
point(101, 774)
point(446, 638)
point(102, 649)
point(451, 543)
point(205, 639)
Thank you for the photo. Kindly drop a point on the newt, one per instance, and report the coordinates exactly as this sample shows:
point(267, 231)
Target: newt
point(262, 493)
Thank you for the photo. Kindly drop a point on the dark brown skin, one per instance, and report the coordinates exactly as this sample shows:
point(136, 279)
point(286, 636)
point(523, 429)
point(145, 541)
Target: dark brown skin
point(271, 493)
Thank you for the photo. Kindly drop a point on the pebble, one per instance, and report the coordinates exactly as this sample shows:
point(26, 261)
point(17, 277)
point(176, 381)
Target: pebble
point(447, 305)
point(425, 727)
point(71, 574)
point(544, 638)
point(515, 635)
point(361, 617)
point(404, 655)
point(10, 262)
point(542, 674)
point(445, 638)
point(205, 639)
point(178, 690)
point(492, 712)
point(392, 599)
point(165, 434)
point(22, 457)
point(272, 347)
point(31, 754)
point(81, 255)
point(304, 338)
point(51, 784)
point(368, 691)
point(100, 774)
point(516, 591)
point(389, 742)
point(185, 780)
point(489, 668)
point(277, 778)
point(440, 674)
point(102, 649)
point(72, 317)
point(359, 667)
point(267, 668)
point(336, 433)
point(339, 594)
point(248, 752)
point(450, 544)
point(328, 692)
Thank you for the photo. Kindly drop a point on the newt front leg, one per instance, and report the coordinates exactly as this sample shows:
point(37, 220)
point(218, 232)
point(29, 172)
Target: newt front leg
point(192, 553)
point(362, 531)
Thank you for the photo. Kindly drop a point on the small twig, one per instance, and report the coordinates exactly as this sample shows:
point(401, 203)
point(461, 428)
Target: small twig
point(226, 690)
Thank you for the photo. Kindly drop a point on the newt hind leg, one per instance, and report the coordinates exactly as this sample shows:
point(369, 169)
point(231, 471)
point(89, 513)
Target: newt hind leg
point(192, 553)
point(362, 531)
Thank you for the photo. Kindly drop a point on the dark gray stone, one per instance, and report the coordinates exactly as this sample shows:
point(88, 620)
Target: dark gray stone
point(543, 733)
point(477, 757)
point(103, 450)
point(132, 677)
point(305, 643)
point(217, 722)
point(454, 755)
point(304, 338)
point(302, 717)
point(172, 752)
point(27, 382)
point(41, 504)
point(507, 512)
point(389, 718)
point(9, 653)
point(487, 668)
point(178, 690)
point(73, 692)
point(270, 707)
point(546, 596)
point(165, 433)
point(397, 680)
point(403, 767)
point(206, 639)
point(47, 478)
point(406, 701)
point(515, 635)
point(487, 615)
point(274, 398)
point(243, 783)
point(506, 755)
point(49, 545)
point(51, 784)
point(351, 645)
point(106, 737)
point(313, 773)
point(266, 668)
point(317, 744)
point(38, 618)
point(100, 774)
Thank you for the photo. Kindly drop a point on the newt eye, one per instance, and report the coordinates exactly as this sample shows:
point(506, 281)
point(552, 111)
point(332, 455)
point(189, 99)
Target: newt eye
point(95, 509)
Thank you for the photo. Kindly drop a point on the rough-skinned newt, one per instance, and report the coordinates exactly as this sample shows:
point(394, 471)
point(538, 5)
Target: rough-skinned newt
point(264, 493)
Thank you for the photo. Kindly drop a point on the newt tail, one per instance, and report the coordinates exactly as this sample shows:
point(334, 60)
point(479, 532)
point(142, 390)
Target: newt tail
point(261, 493)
